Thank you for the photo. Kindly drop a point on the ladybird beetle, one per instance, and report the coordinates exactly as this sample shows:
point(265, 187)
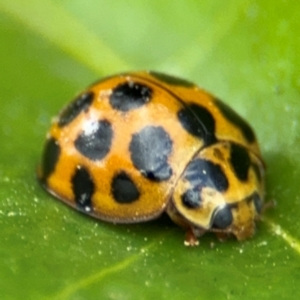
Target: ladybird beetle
point(135, 145)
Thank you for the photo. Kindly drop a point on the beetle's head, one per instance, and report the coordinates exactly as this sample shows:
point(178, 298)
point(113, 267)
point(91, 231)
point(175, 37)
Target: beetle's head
point(220, 190)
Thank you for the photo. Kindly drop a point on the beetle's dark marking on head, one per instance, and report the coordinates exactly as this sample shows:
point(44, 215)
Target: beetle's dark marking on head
point(50, 158)
point(191, 198)
point(95, 142)
point(198, 121)
point(83, 189)
point(223, 218)
point(240, 161)
point(237, 120)
point(130, 95)
point(172, 80)
point(204, 173)
point(149, 150)
point(81, 103)
point(124, 189)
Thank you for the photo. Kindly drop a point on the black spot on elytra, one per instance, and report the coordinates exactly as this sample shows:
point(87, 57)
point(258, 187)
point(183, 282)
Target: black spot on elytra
point(223, 218)
point(258, 203)
point(83, 189)
point(237, 120)
point(172, 80)
point(191, 198)
point(81, 103)
point(149, 150)
point(50, 158)
point(130, 95)
point(204, 173)
point(198, 121)
point(124, 189)
point(95, 142)
point(240, 161)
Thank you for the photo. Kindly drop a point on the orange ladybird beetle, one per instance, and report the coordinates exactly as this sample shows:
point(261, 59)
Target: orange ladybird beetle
point(135, 145)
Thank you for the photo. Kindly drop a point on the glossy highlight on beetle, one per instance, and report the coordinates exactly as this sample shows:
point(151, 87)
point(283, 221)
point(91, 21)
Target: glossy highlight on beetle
point(135, 145)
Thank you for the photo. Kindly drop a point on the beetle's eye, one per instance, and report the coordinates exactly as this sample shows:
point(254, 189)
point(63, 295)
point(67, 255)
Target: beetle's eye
point(223, 218)
point(257, 202)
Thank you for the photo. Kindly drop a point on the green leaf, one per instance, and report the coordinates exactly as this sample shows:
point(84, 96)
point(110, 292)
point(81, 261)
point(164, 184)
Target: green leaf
point(246, 52)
